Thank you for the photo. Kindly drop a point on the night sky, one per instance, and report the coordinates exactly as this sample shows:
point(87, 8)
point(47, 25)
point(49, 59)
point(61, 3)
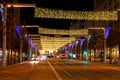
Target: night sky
point(27, 14)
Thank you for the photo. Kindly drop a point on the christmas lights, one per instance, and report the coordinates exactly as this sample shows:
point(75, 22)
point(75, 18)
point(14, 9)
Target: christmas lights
point(53, 43)
point(63, 32)
point(75, 15)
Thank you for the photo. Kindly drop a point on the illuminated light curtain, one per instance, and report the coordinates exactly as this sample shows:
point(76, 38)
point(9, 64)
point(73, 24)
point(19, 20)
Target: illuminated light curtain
point(76, 15)
point(63, 32)
point(57, 39)
point(54, 43)
point(107, 31)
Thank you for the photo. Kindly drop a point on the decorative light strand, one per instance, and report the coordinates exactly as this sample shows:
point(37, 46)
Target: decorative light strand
point(63, 32)
point(53, 43)
point(79, 15)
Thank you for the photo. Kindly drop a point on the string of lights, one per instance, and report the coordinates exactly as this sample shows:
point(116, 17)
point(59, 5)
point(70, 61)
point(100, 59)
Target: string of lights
point(47, 38)
point(53, 43)
point(63, 32)
point(79, 15)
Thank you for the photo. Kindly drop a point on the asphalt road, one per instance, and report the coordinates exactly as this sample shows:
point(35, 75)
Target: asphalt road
point(84, 70)
point(60, 69)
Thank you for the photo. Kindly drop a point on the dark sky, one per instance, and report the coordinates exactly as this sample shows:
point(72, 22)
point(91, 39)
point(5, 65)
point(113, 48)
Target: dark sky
point(28, 13)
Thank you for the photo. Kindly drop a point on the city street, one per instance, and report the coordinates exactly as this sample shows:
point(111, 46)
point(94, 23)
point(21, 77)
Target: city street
point(60, 69)
point(59, 40)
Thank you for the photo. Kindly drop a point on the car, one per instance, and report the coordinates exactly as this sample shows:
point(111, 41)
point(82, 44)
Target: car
point(34, 60)
point(63, 56)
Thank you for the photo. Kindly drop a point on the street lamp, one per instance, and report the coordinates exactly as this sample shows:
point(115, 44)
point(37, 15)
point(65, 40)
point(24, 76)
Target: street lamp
point(4, 26)
point(119, 24)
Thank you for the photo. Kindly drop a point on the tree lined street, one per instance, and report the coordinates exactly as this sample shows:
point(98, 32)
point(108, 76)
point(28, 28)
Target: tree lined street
point(52, 40)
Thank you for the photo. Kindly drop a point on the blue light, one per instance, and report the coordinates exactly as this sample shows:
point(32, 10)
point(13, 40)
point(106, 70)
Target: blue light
point(2, 14)
point(18, 29)
point(73, 44)
point(29, 41)
point(33, 46)
point(82, 41)
point(107, 31)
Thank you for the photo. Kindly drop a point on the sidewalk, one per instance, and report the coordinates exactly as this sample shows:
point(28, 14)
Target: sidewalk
point(27, 71)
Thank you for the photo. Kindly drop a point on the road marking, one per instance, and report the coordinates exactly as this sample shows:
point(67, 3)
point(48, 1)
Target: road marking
point(71, 76)
point(55, 72)
point(113, 68)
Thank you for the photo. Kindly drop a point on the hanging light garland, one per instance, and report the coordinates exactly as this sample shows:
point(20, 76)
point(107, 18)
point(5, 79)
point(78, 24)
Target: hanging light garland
point(53, 43)
point(79, 15)
point(63, 32)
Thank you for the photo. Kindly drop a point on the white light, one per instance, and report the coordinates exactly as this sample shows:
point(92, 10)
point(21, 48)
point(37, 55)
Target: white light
point(33, 55)
point(43, 57)
point(51, 51)
point(32, 62)
point(74, 56)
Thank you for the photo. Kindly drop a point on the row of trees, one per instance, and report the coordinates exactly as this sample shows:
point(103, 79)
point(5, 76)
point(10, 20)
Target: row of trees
point(12, 38)
point(96, 42)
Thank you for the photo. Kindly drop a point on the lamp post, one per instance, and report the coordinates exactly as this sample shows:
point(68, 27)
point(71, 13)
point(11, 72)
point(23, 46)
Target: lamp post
point(4, 26)
point(119, 26)
point(4, 36)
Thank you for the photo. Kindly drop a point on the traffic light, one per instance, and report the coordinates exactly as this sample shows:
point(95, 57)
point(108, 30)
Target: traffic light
point(70, 54)
point(85, 52)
